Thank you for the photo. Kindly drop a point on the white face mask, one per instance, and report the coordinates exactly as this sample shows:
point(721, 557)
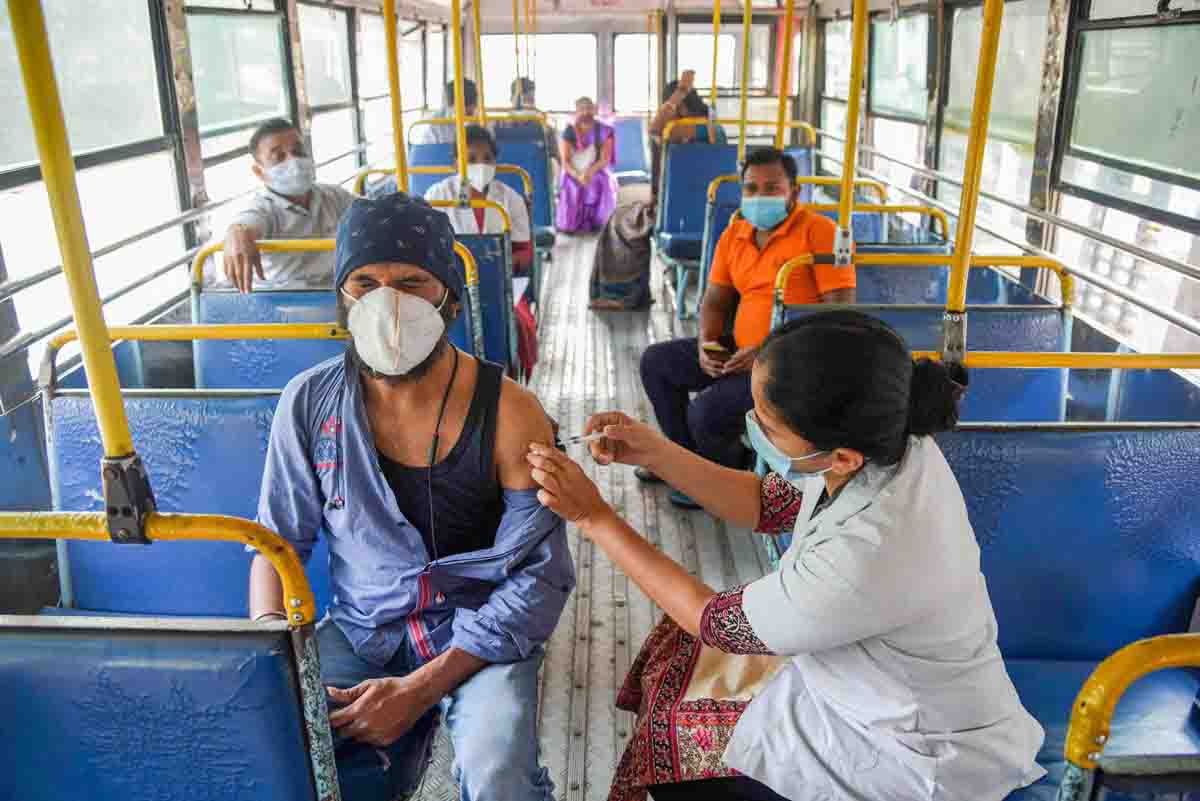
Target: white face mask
point(481, 175)
point(394, 331)
point(293, 178)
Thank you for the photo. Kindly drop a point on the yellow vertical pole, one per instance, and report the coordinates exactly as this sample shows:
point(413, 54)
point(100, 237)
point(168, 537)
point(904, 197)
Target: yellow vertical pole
point(659, 52)
point(391, 39)
point(460, 111)
point(989, 47)
point(479, 63)
point(528, 39)
point(516, 38)
point(785, 79)
point(747, 13)
point(716, 34)
point(533, 49)
point(843, 244)
point(58, 173)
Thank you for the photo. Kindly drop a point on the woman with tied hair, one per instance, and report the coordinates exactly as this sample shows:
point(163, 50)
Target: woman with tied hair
point(866, 665)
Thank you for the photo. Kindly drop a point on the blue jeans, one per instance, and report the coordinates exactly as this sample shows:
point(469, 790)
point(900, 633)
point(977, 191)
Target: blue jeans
point(491, 718)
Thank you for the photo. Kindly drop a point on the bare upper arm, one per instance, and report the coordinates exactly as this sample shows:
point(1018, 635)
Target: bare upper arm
point(520, 420)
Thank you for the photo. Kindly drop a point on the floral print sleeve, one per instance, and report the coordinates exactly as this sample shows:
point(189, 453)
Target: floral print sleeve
point(780, 505)
point(724, 625)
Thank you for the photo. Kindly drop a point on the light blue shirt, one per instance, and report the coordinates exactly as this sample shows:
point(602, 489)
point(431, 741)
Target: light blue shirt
point(323, 474)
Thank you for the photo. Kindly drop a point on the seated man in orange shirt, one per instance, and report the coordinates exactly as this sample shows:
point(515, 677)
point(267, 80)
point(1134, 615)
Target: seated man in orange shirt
point(774, 229)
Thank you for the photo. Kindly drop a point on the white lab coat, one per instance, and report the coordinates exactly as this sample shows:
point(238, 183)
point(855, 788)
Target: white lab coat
point(463, 219)
point(895, 688)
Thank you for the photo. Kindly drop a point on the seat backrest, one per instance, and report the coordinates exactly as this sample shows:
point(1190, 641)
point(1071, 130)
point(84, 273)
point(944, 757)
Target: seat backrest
point(433, 154)
point(803, 156)
point(495, 296)
point(716, 219)
point(116, 709)
point(1089, 536)
point(205, 454)
point(530, 156)
point(867, 226)
point(261, 363)
point(687, 172)
point(631, 144)
point(993, 395)
point(1156, 395)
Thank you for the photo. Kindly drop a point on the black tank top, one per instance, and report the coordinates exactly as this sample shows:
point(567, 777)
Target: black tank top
point(467, 499)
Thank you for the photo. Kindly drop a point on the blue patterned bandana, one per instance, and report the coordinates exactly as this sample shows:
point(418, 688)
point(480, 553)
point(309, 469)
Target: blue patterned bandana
point(400, 228)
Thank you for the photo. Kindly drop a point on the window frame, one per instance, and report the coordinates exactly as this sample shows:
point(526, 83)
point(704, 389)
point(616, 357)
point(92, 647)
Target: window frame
point(655, 102)
point(1080, 24)
point(289, 80)
point(169, 141)
point(732, 24)
point(930, 64)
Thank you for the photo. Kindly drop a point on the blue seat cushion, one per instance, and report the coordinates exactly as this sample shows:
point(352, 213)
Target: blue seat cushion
point(683, 246)
point(1158, 715)
point(544, 236)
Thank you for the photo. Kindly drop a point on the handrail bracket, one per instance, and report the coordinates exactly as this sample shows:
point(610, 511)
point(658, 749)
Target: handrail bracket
point(128, 498)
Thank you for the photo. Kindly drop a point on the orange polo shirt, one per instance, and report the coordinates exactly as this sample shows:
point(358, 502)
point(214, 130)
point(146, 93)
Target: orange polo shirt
point(740, 265)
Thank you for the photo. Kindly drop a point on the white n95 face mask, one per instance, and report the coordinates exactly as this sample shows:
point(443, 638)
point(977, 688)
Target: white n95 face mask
point(394, 331)
point(294, 177)
point(481, 175)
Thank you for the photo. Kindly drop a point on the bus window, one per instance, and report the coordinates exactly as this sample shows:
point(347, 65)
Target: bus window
point(635, 63)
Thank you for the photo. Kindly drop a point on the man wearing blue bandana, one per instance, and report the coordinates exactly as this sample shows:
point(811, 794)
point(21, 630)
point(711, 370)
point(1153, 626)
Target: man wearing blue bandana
point(448, 576)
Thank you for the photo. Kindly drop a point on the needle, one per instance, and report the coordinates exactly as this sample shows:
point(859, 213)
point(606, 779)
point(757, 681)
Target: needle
point(581, 438)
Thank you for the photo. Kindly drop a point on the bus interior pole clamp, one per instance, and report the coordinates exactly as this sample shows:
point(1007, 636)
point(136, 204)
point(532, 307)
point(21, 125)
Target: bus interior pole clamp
point(954, 343)
point(843, 247)
point(128, 498)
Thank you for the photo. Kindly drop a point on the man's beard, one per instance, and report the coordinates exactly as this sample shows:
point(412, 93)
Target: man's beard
point(416, 374)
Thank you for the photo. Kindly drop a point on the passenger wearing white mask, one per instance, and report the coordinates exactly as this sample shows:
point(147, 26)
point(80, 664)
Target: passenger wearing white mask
point(866, 666)
point(291, 205)
point(448, 576)
point(482, 184)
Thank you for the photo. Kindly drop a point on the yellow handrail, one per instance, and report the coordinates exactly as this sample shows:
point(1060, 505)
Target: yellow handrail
point(360, 180)
point(936, 214)
point(743, 103)
point(993, 13)
point(483, 118)
point(477, 204)
point(798, 124)
point(716, 35)
point(460, 112)
point(801, 180)
point(393, 68)
point(858, 59)
point(785, 79)
point(1092, 714)
point(211, 331)
point(58, 173)
point(517, 117)
point(999, 360)
point(162, 527)
point(470, 269)
point(267, 245)
point(509, 112)
point(1066, 280)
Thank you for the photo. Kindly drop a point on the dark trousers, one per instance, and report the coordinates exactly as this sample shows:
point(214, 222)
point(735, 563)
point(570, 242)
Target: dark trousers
point(734, 788)
point(712, 424)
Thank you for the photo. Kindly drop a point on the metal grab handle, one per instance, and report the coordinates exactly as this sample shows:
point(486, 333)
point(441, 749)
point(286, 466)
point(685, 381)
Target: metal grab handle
point(477, 204)
point(1066, 280)
point(297, 595)
point(360, 180)
point(936, 214)
point(538, 117)
point(796, 124)
point(996, 359)
point(807, 180)
point(268, 245)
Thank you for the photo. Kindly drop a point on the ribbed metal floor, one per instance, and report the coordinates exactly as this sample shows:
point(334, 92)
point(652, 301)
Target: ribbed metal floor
point(589, 363)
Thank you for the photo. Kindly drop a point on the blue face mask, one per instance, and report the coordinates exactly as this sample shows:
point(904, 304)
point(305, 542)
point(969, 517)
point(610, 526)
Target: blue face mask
point(765, 211)
point(777, 460)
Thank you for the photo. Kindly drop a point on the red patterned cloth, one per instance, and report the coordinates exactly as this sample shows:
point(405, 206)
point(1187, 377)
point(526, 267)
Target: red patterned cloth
point(527, 344)
point(724, 625)
point(780, 505)
point(673, 740)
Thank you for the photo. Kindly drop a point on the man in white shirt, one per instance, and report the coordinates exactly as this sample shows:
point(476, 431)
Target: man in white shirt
point(482, 185)
point(291, 205)
point(443, 133)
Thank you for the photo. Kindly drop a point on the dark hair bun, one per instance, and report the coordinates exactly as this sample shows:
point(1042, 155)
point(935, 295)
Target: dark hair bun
point(937, 388)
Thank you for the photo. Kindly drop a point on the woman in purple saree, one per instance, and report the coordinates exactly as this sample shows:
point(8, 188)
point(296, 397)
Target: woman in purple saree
point(587, 192)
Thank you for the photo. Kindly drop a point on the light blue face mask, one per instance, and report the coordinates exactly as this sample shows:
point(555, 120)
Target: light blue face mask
point(777, 460)
point(765, 211)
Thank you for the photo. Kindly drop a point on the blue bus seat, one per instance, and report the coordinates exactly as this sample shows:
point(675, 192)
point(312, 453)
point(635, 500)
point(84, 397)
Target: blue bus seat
point(117, 709)
point(687, 171)
point(631, 165)
point(994, 395)
point(205, 453)
point(495, 297)
point(867, 226)
point(803, 156)
point(261, 363)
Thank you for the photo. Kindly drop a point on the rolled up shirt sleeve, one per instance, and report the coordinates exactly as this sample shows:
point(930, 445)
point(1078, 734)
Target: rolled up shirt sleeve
point(522, 611)
point(258, 215)
point(724, 626)
point(290, 502)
